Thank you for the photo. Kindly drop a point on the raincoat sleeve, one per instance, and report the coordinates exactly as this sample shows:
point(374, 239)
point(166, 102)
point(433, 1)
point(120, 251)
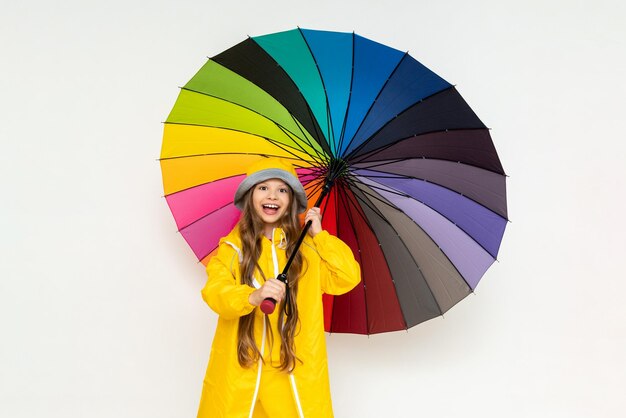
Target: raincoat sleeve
point(222, 291)
point(339, 270)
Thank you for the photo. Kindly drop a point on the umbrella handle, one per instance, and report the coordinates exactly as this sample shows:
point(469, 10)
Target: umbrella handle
point(269, 304)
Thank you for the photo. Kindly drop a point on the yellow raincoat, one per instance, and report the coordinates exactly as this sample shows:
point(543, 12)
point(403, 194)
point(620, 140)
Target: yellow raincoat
point(229, 390)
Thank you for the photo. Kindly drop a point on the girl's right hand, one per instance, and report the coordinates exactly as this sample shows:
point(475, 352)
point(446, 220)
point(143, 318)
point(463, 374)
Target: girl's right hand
point(272, 288)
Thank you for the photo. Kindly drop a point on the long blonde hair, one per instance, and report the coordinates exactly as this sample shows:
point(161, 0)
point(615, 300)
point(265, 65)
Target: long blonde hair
point(251, 232)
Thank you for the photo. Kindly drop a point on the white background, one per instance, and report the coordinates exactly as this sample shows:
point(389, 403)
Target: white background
point(100, 310)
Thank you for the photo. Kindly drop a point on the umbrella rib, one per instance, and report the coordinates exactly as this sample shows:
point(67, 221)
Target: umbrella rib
point(355, 205)
point(406, 54)
point(354, 179)
point(207, 254)
point(295, 157)
point(181, 157)
point(302, 149)
point(364, 158)
point(320, 155)
point(282, 128)
point(382, 163)
point(200, 185)
point(319, 72)
point(314, 187)
point(321, 134)
point(371, 137)
point(354, 182)
point(345, 118)
point(384, 175)
point(271, 141)
point(336, 202)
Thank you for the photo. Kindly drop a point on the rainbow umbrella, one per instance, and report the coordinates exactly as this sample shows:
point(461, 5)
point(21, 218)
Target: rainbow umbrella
point(418, 191)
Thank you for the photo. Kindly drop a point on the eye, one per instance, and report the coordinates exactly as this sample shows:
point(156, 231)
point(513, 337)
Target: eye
point(262, 188)
point(284, 190)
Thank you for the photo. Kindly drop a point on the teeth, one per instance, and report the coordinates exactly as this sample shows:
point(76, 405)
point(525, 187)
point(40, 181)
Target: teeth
point(271, 206)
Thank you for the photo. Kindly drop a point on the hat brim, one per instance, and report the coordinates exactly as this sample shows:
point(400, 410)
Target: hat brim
point(271, 173)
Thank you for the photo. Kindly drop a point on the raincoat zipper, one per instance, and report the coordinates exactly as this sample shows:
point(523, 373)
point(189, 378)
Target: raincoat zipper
point(258, 376)
point(292, 378)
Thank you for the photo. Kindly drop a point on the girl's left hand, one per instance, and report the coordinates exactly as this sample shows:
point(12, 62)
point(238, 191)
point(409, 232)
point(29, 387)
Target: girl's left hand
point(315, 216)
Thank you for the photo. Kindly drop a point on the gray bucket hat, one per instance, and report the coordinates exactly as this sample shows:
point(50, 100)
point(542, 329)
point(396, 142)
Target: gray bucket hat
point(272, 168)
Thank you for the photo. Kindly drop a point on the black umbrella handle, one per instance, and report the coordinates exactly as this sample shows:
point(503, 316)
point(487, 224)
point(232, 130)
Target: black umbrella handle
point(269, 304)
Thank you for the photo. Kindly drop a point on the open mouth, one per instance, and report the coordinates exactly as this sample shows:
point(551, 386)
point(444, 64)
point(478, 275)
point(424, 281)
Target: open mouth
point(270, 208)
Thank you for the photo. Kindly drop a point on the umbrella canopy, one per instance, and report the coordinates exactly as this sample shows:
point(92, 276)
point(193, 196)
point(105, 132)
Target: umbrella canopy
point(419, 193)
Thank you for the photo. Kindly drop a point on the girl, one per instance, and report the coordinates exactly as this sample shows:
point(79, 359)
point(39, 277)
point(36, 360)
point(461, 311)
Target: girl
point(272, 365)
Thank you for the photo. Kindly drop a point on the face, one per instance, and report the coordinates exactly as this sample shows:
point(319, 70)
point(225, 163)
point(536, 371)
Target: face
point(270, 200)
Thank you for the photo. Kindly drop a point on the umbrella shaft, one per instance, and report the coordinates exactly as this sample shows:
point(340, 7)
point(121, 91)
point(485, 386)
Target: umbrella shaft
point(325, 191)
point(269, 304)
